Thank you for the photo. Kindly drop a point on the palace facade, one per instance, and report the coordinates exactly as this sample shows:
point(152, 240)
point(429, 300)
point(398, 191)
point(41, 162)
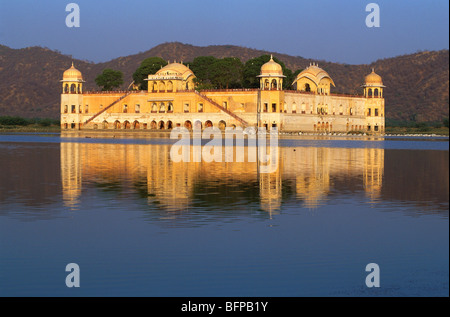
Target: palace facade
point(172, 101)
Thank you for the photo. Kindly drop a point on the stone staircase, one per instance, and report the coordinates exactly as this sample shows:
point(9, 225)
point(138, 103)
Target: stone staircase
point(232, 114)
point(109, 106)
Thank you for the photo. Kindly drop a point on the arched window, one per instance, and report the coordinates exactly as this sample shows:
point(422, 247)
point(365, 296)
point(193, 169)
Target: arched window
point(162, 107)
point(137, 108)
point(274, 84)
point(154, 107)
point(170, 107)
point(307, 88)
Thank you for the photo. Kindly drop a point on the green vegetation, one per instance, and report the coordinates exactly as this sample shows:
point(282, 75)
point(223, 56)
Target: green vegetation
point(8, 123)
point(412, 127)
point(230, 72)
point(109, 79)
point(148, 66)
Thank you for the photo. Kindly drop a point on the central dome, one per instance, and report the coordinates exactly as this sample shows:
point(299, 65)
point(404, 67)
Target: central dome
point(175, 69)
point(271, 68)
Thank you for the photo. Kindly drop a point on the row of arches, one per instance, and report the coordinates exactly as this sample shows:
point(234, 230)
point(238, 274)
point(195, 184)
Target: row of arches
point(159, 125)
point(322, 109)
point(373, 92)
point(274, 84)
point(162, 86)
point(72, 88)
point(161, 107)
point(323, 126)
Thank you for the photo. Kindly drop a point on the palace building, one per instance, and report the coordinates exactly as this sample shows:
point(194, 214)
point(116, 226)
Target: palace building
point(173, 101)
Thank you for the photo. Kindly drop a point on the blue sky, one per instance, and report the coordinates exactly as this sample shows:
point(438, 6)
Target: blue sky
point(329, 30)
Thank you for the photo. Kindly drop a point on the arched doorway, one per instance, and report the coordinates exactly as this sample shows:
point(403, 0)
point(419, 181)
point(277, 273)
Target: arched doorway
point(117, 124)
point(126, 125)
point(222, 125)
point(153, 125)
point(208, 124)
point(198, 124)
point(136, 125)
point(169, 125)
point(161, 125)
point(188, 125)
point(105, 124)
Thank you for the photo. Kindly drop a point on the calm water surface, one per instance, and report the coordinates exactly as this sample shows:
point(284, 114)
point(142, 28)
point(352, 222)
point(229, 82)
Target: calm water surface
point(138, 224)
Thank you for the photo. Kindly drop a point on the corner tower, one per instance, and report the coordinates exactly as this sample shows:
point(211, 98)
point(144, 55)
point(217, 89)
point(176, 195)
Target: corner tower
point(71, 98)
point(271, 77)
point(374, 103)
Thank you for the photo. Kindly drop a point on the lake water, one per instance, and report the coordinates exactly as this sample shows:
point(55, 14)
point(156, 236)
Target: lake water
point(139, 224)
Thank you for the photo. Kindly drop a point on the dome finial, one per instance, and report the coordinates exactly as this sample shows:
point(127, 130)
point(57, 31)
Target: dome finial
point(271, 57)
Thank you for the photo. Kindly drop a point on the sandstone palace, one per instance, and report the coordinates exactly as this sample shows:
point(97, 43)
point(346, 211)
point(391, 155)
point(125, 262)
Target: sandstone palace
point(173, 101)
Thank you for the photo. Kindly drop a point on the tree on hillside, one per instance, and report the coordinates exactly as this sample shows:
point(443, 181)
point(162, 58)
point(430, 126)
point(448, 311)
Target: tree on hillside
point(212, 72)
point(109, 79)
point(227, 73)
point(201, 66)
point(148, 66)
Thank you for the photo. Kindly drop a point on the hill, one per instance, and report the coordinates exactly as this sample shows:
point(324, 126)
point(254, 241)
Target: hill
point(417, 84)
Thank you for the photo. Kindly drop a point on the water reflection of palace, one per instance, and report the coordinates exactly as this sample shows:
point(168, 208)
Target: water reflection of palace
point(307, 173)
